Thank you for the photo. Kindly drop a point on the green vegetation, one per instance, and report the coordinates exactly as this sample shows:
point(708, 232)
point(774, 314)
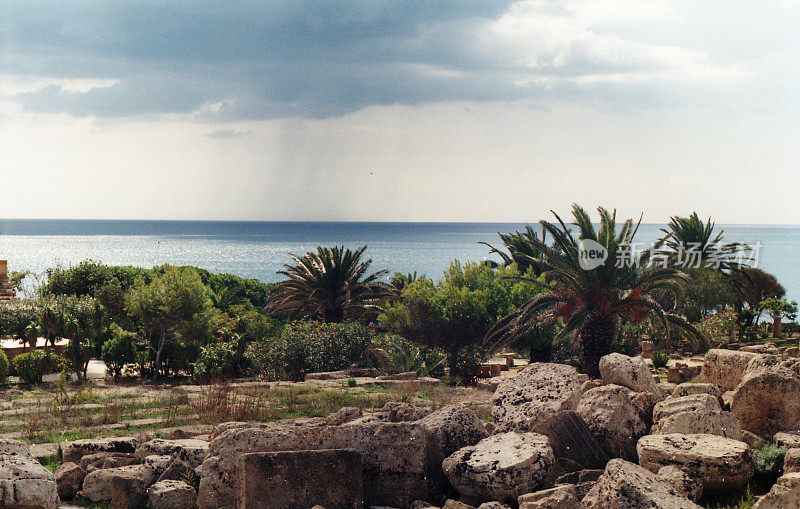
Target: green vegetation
point(455, 313)
point(31, 366)
point(4, 367)
point(328, 285)
point(592, 302)
point(660, 359)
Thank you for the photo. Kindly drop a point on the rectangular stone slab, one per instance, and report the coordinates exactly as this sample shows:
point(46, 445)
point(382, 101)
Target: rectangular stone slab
point(301, 479)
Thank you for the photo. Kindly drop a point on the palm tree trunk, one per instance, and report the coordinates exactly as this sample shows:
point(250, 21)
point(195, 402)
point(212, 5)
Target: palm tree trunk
point(596, 337)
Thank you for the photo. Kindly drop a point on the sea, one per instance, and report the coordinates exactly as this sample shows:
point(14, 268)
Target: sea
point(259, 249)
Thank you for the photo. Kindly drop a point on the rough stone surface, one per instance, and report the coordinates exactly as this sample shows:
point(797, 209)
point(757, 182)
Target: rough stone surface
point(74, 451)
point(719, 463)
point(99, 484)
point(791, 462)
point(572, 440)
point(494, 505)
point(614, 420)
point(171, 495)
point(563, 496)
point(689, 486)
point(630, 372)
point(24, 482)
point(449, 429)
point(159, 463)
point(178, 470)
point(625, 485)
point(401, 411)
point(345, 414)
point(501, 467)
point(698, 403)
point(535, 393)
point(97, 460)
point(190, 450)
point(689, 388)
point(395, 457)
point(725, 368)
point(724, 424)
point(301, 479)
point(69, 479)
point(768, 400)
point(785, 494)
point(789, 439)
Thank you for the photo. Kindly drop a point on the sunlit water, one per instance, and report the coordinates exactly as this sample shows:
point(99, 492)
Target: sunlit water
point(258, 250)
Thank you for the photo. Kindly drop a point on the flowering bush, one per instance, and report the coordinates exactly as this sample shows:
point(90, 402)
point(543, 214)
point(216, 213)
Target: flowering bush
point(717, 327)
point(305, 347)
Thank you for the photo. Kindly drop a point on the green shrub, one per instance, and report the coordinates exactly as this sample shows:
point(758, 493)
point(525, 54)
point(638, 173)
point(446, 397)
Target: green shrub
point(660, 359)
point(769, 460)
point(215, 361)
point(29, 366)
point(305, 347)
point(119, 350)
point(352, 382)
point(4, 366)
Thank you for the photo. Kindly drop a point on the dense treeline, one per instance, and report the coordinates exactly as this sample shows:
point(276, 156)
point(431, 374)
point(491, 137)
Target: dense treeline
point(331, 312)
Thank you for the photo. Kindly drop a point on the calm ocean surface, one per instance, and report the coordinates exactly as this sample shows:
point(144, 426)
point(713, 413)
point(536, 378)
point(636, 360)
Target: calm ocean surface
point(259, 249)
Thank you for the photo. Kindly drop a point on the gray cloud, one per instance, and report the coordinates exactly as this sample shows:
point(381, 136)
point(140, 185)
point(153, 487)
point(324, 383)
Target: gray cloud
point(314, 59)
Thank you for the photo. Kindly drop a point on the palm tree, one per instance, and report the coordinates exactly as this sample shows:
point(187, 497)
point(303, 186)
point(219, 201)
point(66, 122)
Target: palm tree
point(685, 233)
point(521, 248)
point(325, 284)
point(592, 302)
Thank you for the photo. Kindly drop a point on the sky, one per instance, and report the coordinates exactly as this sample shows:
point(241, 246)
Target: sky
point(463, 110)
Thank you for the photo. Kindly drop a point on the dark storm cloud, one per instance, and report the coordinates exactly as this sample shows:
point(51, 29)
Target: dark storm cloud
point(313, 59)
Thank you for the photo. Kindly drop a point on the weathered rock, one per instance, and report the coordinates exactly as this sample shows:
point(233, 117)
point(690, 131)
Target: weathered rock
point(625, 485)
point(683, 373)
point(630, 372)
point(614, 420)
point(768, 400)
point(687, 485)
point(406, 375)
point(171, 495)
point(666, 388)
point(190, 450)
point(456, 504)
point(695, 413)
point(753, 440)
point(723, 424)
point(785, 494)
point(494, 505)
point(98, 486)
point(725, 368)
point(790, 439)
point(177, 470)
point(97, 460)
point(791, 462)
point(158, 462)
point(400, 411)
point(690, 388)
point(69, 479)
point(571, 438)
point(24, 482)
point(586, 475)
point(560, 497)
point(327, 375)
point(500, 467)
point(74, 451)
point(535, 393)
point(719, 463)
point(300, 479)
point(9, 446)
point(449, 429)
point(345, 414)
point(395, 457)
point(697, 403)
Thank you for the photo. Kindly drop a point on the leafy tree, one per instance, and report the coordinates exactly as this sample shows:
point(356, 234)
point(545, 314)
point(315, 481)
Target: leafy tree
point(593, 302)
point(119, 350)
point(752, 286)
point(400, 280)
point(173, 307)
point(779, 309)
point(710, 292)
point(455, 313)
point(327, 284)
